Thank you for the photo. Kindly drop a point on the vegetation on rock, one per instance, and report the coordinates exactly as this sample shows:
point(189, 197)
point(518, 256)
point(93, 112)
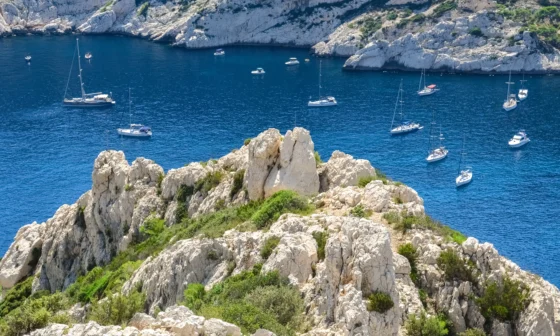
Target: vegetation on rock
point(426, 326)
point(454, 267)
point(505, 301)
point(268, 247)
point(379, 302)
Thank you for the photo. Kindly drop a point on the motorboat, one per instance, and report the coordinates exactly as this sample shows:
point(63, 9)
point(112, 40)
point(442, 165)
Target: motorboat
point(511, 101)
point(28, 58)
point(423, 89)
point(292, 61)
point(404, 126)
point(219, 52)
point(322, 101)
point(519, 139)
point(258, 71)
point(88, 56)
point(97, 99)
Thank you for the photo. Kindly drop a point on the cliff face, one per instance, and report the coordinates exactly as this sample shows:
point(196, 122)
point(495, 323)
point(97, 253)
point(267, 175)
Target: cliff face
point(363, 217)
point(464, 36)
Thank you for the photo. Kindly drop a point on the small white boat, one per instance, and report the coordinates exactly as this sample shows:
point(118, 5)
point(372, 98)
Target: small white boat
point(307, 60)
point(322, 101)
point(88, 56)
point(292, 61)
point(439, 152)
point(511, 101)
point(520, 139)
point(219, 52)
point(135, 130)
point(28, 58)
point(259, 71)
point(423, 89)
point(465, 175)
point(523, 92)
point(405, 126)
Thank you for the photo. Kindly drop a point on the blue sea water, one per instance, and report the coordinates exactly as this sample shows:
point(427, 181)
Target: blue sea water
point(201, 107)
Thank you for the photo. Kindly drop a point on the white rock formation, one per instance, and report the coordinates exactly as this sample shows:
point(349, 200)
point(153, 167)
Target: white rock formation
point(342, 170)
point(18, 261)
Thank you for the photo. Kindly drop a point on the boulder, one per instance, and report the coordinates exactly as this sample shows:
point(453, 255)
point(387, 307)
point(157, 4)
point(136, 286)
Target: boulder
point(22, 256)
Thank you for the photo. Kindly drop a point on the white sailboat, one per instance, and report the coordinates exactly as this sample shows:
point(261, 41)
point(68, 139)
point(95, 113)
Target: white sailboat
point(322, 101)
point(424, 90)
point(404, 126)
point(439, 152)
point(466, 174)
point(511, 102)
point(135, 130)
point(97, 99)
point(523, 92)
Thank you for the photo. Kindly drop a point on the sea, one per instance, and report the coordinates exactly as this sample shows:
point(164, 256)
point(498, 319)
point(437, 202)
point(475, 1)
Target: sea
point(201, 106)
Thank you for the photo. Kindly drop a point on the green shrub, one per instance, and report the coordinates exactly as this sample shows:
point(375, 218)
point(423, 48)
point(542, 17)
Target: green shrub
point(391, 16)
point(159, 181)
point(392, 217)
point(321, 238)
point(128, 187)
point(370, 25)
point(444, 7)
point(106, 6)
point(426, 326)
point(473, 332)
point(247, 142)
point(397, 200)
point(16, 296)
point(268, 247)
point(194, 296)
point(237, 183)
point(143, 9)
point(418, 18)
point(153, 226)
point(454, 267)
point(423, 297)
point(318, 160)
point(281, 202)
point(209, 182)
point(504, 302)
point(364, 181)
point(117, 309)
point(409, 252)
point(405, 222)
point(283, 303)
point(380, 302)
point(476, 32)
point(360, 212)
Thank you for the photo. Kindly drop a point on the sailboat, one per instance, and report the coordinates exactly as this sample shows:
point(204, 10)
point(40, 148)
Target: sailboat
point(511, 102)
point(523, 92)
point(322, 101)
point(97, 99)
point(405, 126)
point(465, 175)
point(424, 90)
point(438, 152)
point(135, 130)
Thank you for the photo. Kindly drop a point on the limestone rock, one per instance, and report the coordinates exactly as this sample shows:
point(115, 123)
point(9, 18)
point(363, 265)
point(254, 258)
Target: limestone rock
point(22, 255)
point(295, 167)
point(263, 153)
point(343, 170)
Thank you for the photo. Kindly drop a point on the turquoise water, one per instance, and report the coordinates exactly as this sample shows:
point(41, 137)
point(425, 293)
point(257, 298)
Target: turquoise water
point(201, 106)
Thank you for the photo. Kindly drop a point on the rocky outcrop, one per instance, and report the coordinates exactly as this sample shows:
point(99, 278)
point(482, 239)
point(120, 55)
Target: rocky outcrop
point(22, 256)
point(342, 170)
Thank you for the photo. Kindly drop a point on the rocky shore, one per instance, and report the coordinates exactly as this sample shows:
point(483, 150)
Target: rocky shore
point(475, 36)
point(345, 251)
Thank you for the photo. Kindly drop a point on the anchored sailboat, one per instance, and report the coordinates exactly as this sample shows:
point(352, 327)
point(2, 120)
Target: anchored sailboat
point(465, 175)
point(424, 90)
point(135, 130)
point(511, 101)
point(322, 101)
point(438, 152)
point(97, 99)
point(405, 126)
point(523, 92)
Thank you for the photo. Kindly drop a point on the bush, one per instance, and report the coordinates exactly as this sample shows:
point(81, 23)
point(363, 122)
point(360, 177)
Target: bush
point(321, 238)
point(391, 16)
point(281, 202)
point(159, 181)
point(153, 226)
point(247, 142)
point(117, 309)
point(405, 222)
point(370, 26)
point(473, 332)
point(237, 183)
point(194, 296)
point(409, 252)
point(418, 18)
point(454, 267)
point(426, 326)
point(318, 160)
point(283, 303)
point(143, 10)
point(364, 181)
point(476, 32)
point(128, 187)
point(16, 296)
point(209, 182)
point(380, 302)
point(269, 246)
point(444, 7)
point(504, 302)
point(360, 212)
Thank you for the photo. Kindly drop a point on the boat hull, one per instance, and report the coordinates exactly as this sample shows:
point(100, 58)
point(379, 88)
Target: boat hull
point(509, 107)
point(321, 103)
point(517, 144)
point(89, 105)
point(400, 130)
point(462, 180)
point(292, 63)
point(426, 93)
point(128, 133)
point(435, 158)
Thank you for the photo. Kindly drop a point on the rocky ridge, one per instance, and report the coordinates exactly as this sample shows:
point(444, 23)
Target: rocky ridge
point(355, 207)
point(468, 36)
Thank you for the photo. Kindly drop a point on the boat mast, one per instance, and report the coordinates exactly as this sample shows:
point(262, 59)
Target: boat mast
point(80, 70)
point(523, 82)
point(320, 75)
point(440, 138)
point(397, 105)
point(432, 126)
point(509, 84)
point(420, 84)
point(129, 107)
point(462, 154)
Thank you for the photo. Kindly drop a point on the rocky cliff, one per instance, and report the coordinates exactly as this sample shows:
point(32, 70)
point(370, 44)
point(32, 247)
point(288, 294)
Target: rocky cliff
point(345, 250)
point(470, 36)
